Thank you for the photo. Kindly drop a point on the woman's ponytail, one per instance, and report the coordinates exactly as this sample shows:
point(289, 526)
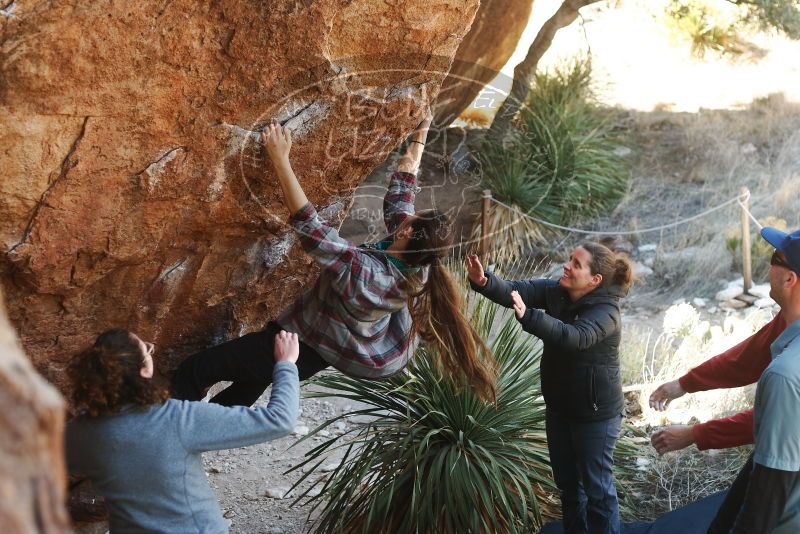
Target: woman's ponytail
point(623, 272)
point(439, 320)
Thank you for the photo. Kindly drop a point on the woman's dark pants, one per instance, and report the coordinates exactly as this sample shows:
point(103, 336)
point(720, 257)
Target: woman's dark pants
point(246, 361)
point(581, 455)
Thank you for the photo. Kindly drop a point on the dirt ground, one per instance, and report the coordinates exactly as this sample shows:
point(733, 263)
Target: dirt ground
point(249, 481)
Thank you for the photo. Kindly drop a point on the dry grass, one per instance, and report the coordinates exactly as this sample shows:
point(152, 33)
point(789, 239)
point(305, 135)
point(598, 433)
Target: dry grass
point(689, 162)
point(652, 358)
point(661, 484)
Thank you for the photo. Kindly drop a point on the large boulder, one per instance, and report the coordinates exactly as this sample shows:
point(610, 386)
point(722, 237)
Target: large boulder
point(133, 191)
point(485, 49)
point(32, 474)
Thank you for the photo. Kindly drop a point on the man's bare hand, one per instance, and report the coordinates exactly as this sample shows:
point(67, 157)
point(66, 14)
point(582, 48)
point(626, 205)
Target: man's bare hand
point(672, 438)
point(287, 347)
point(664, 394)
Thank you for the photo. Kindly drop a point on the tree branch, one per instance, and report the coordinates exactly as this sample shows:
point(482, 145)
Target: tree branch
point(525, 71)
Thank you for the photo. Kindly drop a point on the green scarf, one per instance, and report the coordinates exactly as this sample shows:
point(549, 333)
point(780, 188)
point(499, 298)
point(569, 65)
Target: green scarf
point(400, 264)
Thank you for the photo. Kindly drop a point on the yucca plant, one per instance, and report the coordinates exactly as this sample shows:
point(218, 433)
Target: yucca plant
point(570, 142)
point(436, 458)
point(558, 163)
point(699, 24)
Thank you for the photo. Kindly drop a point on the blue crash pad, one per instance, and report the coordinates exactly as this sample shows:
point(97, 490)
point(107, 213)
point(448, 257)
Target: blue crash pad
point(694, 518)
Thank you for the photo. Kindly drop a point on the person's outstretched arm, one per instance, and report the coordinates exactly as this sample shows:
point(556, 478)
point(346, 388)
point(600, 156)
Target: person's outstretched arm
point(277, 140)
point(724, 433)
point(593, 325)
point(738, 366)
point(319, 240)
point(207, 426)
point(398, 203)
point(409, 161)
point(498, 290)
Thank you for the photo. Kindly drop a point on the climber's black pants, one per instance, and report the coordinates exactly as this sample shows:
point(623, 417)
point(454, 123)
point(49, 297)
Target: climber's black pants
point(246, 361)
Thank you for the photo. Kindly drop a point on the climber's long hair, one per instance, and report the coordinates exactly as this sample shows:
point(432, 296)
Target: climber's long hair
point(437, 307)
point(105, 377)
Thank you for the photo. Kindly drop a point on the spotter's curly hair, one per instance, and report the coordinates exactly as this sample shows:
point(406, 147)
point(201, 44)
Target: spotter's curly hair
point(105, 377)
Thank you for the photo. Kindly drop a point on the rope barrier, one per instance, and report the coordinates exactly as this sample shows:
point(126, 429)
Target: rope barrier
point(737, 199)
point(747, 211)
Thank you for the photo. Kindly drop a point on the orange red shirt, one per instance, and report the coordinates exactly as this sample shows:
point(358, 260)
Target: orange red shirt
point(738, 366)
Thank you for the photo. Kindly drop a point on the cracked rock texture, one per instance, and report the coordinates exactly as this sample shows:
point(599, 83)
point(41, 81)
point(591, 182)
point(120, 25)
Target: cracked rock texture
point(132, 189)
point(32, 481)
point(487, 46)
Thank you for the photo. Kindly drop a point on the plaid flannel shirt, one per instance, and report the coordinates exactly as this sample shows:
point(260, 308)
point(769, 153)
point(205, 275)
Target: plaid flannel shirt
point(356, 314)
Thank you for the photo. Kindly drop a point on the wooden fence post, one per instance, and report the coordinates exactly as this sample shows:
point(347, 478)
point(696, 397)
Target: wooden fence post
point(747, 268)
point(483, 247)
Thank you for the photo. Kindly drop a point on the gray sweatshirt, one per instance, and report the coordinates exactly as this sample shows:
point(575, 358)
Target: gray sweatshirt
point(147, 462)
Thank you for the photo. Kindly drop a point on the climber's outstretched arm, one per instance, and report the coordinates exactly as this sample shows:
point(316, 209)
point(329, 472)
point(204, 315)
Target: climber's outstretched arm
point(277, 140)
point(409, 161)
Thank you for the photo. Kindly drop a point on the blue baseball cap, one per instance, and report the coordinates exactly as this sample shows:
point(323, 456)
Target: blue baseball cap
point(789, 244)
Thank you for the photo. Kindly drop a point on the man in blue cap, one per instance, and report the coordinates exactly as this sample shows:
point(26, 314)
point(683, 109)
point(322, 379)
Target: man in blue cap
point(765, 497)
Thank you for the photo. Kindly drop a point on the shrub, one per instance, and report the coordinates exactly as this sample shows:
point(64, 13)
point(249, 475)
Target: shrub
point(700, 25)
point(558, 163)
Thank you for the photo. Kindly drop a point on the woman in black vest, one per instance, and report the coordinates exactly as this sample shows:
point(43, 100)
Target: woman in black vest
point(578, 320)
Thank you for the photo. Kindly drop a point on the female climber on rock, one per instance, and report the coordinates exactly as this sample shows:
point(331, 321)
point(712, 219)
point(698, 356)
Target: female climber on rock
point(142, 450)
point(368, 303)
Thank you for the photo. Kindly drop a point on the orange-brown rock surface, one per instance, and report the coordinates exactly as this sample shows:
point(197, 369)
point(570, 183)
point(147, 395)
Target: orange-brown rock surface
point(485, 49)
point(32, 481)
point(132, 192)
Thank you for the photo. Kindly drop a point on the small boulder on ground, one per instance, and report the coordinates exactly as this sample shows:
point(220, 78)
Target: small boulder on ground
point(733, 304)
point(730, 292)
point(760, 291)
point(277, 493)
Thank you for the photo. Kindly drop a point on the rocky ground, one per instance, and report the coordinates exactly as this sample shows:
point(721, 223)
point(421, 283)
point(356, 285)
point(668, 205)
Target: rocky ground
point(253, 490)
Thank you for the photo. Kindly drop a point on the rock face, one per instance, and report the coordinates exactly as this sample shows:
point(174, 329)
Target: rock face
point(132, 191)
point(32, 474)
point(486, 48)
